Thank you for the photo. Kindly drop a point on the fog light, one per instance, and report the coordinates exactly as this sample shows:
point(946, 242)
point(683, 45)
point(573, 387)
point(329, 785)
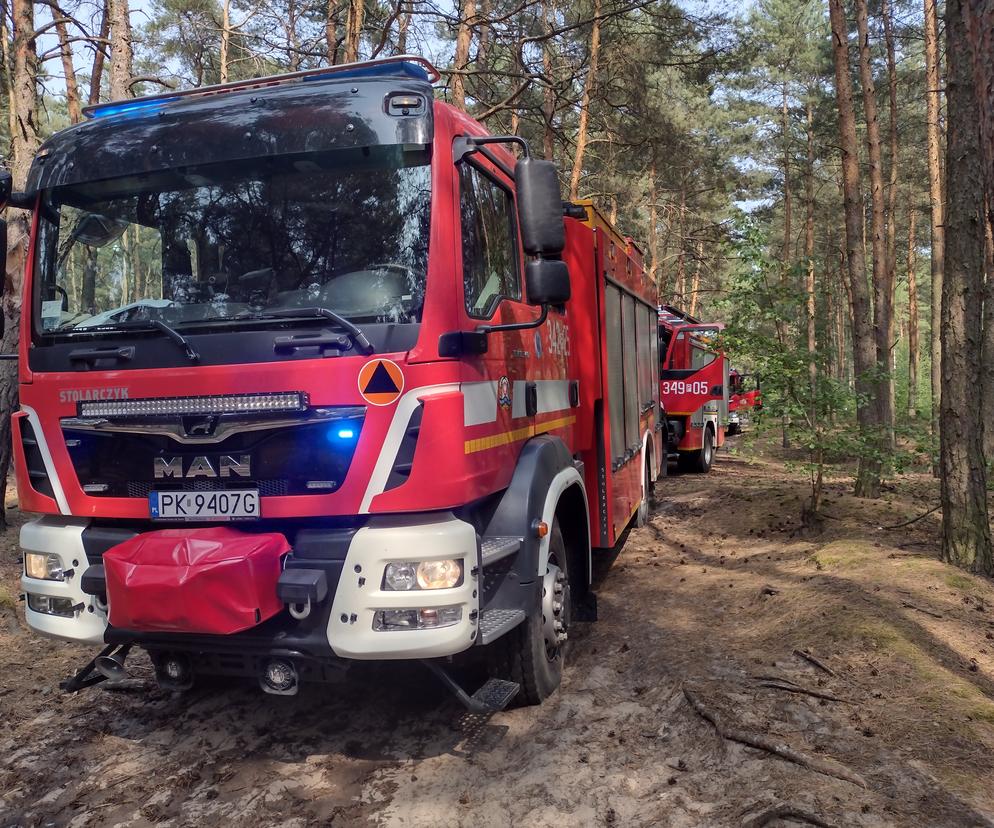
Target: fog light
point(439, 574)
point(43, 566)
point(62, 607)
point(417, 619)
point(400, 577)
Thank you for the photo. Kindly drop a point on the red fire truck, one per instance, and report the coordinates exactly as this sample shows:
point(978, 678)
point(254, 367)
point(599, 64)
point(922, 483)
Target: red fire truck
point(693, 388)
point(744, 398)
point(313, 370)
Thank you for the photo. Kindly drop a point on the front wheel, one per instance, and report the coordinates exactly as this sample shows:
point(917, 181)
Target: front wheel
point(535, 650)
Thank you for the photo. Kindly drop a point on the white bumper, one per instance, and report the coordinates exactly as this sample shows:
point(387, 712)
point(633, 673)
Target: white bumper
point(360, 594)
point(63, 537)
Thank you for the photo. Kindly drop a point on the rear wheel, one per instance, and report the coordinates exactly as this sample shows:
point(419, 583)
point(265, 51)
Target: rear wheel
point(648, 496)
point(535, 650)
point(700, 461)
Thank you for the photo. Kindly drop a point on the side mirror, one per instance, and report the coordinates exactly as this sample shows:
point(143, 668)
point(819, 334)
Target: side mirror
point(547, 282)
point(540, 208)
point(3, 252)
point(6, 186)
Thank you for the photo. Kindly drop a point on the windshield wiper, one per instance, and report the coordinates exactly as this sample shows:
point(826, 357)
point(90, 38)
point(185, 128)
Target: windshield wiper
point(177, 337)
point(354, 331)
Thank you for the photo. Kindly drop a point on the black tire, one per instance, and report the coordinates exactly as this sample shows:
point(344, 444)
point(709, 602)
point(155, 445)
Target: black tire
point(524, 656)
point(648, 498)
point(700, 461)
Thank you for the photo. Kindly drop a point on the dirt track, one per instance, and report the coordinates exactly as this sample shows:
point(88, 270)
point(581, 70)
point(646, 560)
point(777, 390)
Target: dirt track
point(708, 598)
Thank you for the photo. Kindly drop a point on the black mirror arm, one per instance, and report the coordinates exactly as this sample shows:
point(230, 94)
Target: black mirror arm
point(517, 326)
point(22, 201)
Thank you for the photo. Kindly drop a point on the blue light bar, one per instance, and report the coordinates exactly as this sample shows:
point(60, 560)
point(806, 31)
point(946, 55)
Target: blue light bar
point(139, 106)
point(410, 65)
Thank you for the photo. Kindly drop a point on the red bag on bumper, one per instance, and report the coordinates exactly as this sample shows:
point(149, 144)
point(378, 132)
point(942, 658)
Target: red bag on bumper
point(217, 581)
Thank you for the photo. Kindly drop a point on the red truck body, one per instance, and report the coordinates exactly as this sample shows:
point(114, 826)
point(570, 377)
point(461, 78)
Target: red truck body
point(744, 398)
point(502, 456)
point(693, 388)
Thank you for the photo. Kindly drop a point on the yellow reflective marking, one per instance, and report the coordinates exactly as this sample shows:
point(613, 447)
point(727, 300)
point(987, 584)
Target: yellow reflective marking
point(508, 437)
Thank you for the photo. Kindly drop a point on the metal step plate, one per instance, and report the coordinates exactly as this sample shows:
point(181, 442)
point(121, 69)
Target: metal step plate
point(496, 693)
point(494, 548)
point(494, 623)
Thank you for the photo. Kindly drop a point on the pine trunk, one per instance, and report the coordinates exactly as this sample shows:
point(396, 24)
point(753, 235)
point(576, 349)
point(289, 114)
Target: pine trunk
point(936, 201)
point(588, 90)
point(464, 39)
point(548, 91)
point(864, 347)
point(121, 55)
point(882, 310)
point(24, 144)
point(99, 55)
point(73, 105)
point(887, 13)
point(353, 30)
point(966, 534)
point(913, 344)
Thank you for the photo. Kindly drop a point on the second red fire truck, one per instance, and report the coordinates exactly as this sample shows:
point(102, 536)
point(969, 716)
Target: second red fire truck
point(313, 370)
point(693, 388)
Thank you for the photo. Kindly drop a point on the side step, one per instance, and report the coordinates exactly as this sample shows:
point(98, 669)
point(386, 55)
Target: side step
point(495, 622)
point(494, 548)
point(492, 697)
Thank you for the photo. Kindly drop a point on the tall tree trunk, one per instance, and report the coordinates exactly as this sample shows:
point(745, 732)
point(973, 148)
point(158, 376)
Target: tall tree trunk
point(913, 345)
point(937, 203)
point(864, 348)
point(403, 25)
point(353, 30)
point(25, 141)
point(121, 54)
point(653, 235)
point(588, 89)
point(225, 38)
point(695, 284)
point(681, 259)
point(331, 31)
point(68, 70)
point(464, 39)
point(548, 90)
point(809, 255)
point(882, 310)
point(987, 352)
point(787, 201)
point(966, 533)
point(979, 17)
point(888, 18)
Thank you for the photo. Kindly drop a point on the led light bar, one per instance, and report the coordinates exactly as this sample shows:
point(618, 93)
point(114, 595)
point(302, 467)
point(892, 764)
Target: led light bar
point(277, 403)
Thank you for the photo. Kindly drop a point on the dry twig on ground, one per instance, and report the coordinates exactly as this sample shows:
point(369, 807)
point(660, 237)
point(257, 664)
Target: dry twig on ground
point(761, 741)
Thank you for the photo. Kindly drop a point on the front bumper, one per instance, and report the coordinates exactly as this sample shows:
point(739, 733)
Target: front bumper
point(346, 626)
point(62, 537)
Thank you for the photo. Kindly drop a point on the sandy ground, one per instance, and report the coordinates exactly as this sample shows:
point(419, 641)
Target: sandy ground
point(714, 596)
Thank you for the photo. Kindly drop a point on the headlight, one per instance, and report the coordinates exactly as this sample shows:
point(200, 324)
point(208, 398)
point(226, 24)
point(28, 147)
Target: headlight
point(400, 576)
point(407, 575)
point(439, 574)
point(43, 566)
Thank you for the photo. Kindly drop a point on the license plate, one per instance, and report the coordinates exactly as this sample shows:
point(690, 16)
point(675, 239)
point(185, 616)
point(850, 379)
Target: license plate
point(242, 504)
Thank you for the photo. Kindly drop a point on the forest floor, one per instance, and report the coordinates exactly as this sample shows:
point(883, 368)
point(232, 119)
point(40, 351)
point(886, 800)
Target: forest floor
point(717, 596)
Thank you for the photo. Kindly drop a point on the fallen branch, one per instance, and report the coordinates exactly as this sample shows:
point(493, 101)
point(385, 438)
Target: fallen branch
point(812, 660)
point(914, 519)
point(776, 683)
point(909, 605)
point(784, 810)
point(771, 745)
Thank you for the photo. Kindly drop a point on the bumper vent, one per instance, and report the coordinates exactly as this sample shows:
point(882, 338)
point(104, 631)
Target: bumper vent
point(34, 461)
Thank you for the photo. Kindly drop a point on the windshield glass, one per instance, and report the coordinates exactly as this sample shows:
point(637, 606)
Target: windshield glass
point(345, 230)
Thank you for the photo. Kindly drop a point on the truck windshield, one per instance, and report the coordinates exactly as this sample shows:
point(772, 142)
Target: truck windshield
point(219, 244)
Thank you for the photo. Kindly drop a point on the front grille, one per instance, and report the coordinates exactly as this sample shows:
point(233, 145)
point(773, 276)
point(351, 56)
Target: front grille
point(282, 460)
point(267, 488)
